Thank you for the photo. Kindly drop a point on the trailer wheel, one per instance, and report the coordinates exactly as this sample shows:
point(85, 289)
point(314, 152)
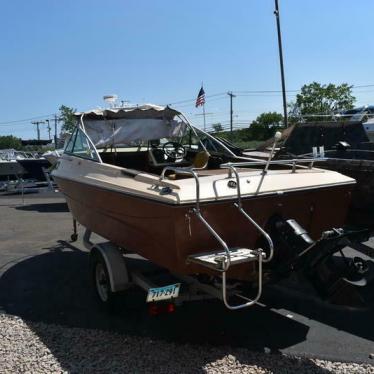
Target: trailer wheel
point(101, 282)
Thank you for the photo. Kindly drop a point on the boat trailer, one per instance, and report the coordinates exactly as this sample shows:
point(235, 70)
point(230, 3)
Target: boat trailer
point(111, 275)
point(313, 260)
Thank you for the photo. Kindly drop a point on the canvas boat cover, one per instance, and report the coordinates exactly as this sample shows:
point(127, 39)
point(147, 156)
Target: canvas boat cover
point(126, 125)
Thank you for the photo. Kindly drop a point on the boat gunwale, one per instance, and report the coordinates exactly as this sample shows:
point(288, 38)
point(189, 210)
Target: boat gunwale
point(205, 201)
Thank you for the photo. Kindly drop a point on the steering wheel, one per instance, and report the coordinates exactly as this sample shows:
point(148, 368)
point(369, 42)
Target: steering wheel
point(174, 150)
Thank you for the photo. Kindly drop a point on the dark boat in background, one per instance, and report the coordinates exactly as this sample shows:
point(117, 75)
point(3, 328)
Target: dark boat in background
point(34, 167)
point(347, 150)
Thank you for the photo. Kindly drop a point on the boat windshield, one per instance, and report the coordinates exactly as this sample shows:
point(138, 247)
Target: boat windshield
point(145, 138)
point(12, 154)
point(192, 139)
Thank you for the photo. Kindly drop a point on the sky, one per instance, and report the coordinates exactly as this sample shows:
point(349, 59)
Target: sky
point(73, 52)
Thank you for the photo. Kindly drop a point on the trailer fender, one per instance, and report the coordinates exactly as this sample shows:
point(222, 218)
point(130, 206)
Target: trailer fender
point(115, 263)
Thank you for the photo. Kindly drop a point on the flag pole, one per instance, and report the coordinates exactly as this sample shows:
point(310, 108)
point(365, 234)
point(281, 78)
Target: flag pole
point(202, 86)
point(204, 117)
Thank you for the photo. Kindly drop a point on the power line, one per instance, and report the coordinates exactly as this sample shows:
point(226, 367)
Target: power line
point(186, 103)
point(265, 91)
point(12, 131)
point(288, 91)
point(364, 86)
point(26, 119)
point(193, 100)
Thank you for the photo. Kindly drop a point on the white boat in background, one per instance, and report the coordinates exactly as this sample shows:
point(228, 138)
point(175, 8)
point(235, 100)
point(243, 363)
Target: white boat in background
point(28, 165)
point(53, 156)
point(9, 167)
point(364, 114)
point(369, 128)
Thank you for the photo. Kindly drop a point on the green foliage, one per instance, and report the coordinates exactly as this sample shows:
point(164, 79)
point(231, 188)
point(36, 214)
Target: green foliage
point(217, 127)
point(240, 138)
point(265, 125)
point(324, 99)
point(248, 144)
point(294, 115)
point(10, 141)
point(269, 119)
point(68, 119)
point(263, 128)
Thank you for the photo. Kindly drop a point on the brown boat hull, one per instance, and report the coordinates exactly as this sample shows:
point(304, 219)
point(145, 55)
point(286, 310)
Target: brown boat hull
point(166, 234)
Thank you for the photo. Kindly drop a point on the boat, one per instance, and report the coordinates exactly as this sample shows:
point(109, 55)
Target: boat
point(35, 167)
point(9, 167)
point(53, 156)
point(151, 183)
point(364, 114)
point(369, 127)
point(29, 165)
point(346, 148)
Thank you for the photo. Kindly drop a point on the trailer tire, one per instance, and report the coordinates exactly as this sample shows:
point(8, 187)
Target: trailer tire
point(100, 280)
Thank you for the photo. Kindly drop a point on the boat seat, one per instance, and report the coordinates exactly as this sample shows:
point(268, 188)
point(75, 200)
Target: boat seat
point(137, 160)
point(201, 160)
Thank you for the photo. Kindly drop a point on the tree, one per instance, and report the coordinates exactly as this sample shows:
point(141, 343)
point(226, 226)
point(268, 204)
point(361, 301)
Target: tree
point(68, 118)
point(324, 99)
point(217, 127)
point(10, 141)
point(294, 113)
point(269, 119)
point(265, 125)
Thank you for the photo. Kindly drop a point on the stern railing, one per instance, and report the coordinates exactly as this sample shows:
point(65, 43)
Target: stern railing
point(239, 205)
point(197, 211)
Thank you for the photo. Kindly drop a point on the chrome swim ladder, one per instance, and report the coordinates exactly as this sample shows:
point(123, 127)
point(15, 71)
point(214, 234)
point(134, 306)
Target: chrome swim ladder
point(221, 260)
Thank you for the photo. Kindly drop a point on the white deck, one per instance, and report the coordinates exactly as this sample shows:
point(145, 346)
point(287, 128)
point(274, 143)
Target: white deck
point(212, 188)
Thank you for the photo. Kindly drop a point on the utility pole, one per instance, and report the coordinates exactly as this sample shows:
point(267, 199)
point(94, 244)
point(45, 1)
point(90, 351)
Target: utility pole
point(37, 123)
point(49, 129)
point(231, 111)
point(276, 12)
point(56, 131)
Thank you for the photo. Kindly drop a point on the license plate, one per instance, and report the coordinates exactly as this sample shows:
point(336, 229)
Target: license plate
point(163, 293)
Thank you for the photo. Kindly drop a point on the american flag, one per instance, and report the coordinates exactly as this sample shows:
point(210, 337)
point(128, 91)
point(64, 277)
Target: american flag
point(200, 98)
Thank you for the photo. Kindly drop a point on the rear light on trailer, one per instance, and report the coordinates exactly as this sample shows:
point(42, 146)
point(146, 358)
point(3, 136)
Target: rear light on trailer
point(156, 309)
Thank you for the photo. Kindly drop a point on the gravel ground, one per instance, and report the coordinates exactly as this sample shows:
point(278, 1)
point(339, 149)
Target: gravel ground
point(30, 347)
